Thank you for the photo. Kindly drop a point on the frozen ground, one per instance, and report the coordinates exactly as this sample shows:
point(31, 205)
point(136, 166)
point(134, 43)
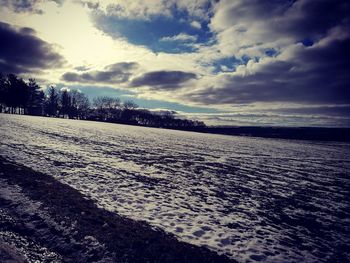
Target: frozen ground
point(250, 198)
point(45, 221)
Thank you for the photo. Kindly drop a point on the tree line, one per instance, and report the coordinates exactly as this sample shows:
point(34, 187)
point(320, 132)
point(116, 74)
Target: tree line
point(18, 96)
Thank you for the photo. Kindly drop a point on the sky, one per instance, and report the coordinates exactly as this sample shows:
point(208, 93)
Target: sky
point(228, 62)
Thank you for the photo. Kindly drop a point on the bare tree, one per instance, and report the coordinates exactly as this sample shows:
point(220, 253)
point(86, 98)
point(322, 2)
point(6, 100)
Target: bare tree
point(80, 104)
point(130, 105)
point(51, 104)
point(107, 107)
point(3, 91)
point(65, 103)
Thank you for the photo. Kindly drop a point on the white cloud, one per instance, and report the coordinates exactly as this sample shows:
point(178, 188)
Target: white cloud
point(182, 37)
point(196, 24)
point(140, 9)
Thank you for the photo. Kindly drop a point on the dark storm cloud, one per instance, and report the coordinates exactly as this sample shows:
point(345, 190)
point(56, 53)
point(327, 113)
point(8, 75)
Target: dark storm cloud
point(163, 79)
point(21, 51)
point(115, 73)
point(300, 19)
point(309, 18)
point(318, 74)
point(315, 75)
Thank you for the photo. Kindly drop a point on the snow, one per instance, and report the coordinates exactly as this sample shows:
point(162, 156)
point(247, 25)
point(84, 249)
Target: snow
point(248, 198)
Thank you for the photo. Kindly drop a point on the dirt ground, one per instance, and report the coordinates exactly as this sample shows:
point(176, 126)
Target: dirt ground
point(43, 220)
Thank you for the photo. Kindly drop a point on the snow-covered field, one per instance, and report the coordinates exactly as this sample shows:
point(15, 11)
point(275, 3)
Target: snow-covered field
point(250, 198)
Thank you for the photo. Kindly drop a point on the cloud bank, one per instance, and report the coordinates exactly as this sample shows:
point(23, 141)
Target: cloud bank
point(163, 80)
point(114, 74)
point(22, 51)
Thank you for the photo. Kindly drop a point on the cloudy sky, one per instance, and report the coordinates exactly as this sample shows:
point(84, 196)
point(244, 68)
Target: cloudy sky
point(233, 62)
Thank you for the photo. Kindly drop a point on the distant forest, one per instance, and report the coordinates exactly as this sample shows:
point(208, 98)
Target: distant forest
point(18, 96)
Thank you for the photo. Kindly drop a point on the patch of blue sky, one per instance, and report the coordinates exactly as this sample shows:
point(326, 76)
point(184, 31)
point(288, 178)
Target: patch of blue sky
point(157, 104)
point(226, 64)
point(174, 47)
point(97, 91)
point(150, 32)
point(245, 59)
point(307, 42)
point(271, 52)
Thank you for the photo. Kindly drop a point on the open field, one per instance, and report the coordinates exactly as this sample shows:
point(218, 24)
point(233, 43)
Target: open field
point(248, 198)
